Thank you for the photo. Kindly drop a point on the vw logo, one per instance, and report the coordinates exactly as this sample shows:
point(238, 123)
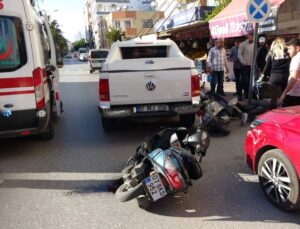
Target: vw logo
point(150, 86)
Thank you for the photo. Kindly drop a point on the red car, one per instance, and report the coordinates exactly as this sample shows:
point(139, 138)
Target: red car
point(272, 149)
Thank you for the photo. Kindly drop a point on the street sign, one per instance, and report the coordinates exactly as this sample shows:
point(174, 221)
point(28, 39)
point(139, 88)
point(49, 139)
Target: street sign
point(258, 10)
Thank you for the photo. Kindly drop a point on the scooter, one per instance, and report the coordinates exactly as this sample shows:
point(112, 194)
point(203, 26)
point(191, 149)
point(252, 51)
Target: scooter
point(165, 163)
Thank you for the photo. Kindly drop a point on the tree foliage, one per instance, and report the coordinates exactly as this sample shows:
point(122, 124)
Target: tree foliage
point(221, 5)
point(79, 44)
point(113, 34)
point(59, 40)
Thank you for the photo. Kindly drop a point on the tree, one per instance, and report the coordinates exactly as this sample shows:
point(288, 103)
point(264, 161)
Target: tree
point(113, 35)
point(79, 44)
point(59, 40)
point(221, 5)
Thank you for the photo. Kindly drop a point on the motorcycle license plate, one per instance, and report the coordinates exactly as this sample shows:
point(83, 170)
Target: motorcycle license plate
point(154, 187)
point(149, 108)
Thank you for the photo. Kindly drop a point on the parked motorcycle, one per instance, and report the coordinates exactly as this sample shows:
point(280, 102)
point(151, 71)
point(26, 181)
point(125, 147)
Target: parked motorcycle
point(165, 163)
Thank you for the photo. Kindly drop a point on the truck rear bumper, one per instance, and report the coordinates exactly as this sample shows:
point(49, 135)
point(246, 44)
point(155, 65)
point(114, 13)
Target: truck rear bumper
point(24, 123)
point(130, 111)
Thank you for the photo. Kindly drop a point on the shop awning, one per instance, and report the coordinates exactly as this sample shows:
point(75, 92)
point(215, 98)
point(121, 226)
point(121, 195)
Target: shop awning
point(232, 21)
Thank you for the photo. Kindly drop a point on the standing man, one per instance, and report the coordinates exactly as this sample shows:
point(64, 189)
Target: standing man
point(236, 68)
point(291, 94)
point(245, 54)
point(216, 62)
point(261, 55)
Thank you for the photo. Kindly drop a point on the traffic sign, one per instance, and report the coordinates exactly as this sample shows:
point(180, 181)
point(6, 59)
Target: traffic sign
point(258, 10)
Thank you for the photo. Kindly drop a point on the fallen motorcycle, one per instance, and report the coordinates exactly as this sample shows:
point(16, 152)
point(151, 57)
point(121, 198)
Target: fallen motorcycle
point(165, 163)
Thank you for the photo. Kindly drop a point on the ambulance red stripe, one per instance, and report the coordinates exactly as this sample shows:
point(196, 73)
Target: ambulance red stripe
point(16, 92)
point(16, 82)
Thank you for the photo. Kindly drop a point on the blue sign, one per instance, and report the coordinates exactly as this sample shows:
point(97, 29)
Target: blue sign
point(258, 10)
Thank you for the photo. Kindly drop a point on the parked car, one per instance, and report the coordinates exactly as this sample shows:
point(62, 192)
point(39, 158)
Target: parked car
point(272, 149)
point(148, 78)
point(97, 58)
point(83, 56)
point(68, 56)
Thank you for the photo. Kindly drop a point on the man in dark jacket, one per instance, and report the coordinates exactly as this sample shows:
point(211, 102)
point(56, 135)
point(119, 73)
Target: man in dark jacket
point(261, 55)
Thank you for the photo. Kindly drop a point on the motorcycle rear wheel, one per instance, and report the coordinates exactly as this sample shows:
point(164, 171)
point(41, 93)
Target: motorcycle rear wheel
point(125, 192)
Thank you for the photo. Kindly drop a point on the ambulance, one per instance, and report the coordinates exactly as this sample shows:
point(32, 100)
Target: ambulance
point(30, 97)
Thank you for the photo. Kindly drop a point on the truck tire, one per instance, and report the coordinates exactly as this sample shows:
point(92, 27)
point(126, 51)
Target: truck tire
point(187, 120)
point(109, 124)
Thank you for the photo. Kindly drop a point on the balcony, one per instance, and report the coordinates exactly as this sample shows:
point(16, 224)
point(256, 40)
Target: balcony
point(130, 32)
point(117, 15)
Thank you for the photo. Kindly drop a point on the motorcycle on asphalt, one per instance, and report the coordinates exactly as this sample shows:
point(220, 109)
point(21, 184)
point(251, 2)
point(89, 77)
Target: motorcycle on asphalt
point(163, 164)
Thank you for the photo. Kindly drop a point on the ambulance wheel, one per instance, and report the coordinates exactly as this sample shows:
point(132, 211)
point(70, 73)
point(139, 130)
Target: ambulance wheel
point(91, 71)
point(49, 133)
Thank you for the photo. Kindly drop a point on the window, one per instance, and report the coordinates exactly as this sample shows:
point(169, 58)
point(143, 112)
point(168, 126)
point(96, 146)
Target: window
point(99, 54)
point(127, 24)
point(147, 23)
point(144, 52)
point(117, 23)
point(12, 44)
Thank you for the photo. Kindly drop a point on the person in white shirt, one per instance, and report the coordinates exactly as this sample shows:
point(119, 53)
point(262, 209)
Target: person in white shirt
point(291, 94)
point(216, 63)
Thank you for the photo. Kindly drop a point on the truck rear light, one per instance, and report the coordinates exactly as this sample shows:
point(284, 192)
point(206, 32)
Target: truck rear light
point(195, 85)
point(38, 83)
point(104, 90)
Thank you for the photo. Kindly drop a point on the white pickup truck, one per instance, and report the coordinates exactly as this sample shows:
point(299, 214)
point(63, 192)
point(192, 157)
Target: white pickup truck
point(147, 78)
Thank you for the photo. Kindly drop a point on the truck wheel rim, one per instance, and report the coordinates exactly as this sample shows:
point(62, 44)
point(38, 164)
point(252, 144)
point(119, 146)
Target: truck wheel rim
point(275, 180)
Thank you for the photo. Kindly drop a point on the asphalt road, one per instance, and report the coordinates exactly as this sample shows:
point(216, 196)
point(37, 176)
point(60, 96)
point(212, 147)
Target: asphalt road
point(69, 182)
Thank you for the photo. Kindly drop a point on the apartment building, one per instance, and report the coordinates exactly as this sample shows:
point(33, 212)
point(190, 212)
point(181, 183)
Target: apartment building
point(97, 12)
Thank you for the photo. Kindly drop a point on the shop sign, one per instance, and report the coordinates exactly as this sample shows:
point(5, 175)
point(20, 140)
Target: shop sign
point(240, 25)
point(190, 15)
point(270, 24)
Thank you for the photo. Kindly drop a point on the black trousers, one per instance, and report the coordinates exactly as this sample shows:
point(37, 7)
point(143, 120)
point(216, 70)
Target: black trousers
point(279, 79)
point(245, 78)
point(291, 101)
point(238, 83)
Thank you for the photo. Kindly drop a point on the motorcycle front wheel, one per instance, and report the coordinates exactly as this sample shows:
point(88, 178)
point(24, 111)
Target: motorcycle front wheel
point(125, 192)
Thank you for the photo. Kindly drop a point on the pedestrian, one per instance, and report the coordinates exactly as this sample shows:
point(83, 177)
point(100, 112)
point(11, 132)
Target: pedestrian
point(261, 55)
point(278, 60)
point(291, 94)
point(236, 68)
point(245, 54)
point(216, 63)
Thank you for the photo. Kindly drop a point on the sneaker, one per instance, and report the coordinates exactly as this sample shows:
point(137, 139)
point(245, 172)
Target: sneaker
point(244, 119)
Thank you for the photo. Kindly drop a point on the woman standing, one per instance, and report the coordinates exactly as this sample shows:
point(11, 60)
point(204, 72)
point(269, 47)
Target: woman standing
point(279, 60)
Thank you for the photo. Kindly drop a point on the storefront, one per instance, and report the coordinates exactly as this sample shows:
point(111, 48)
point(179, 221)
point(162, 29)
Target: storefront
point(188, 30)
point(233, 21)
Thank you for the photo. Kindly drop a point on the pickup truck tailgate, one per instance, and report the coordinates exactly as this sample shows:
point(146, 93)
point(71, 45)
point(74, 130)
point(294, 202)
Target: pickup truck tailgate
point(145, 81)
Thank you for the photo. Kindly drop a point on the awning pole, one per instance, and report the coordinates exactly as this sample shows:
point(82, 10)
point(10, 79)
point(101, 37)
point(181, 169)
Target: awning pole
point(253, 66)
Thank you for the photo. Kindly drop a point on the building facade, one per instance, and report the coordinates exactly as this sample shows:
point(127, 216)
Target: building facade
point(99, 18)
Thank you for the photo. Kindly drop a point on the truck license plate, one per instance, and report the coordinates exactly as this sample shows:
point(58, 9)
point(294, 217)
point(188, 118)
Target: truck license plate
point(149, 108)
point(155, 187)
